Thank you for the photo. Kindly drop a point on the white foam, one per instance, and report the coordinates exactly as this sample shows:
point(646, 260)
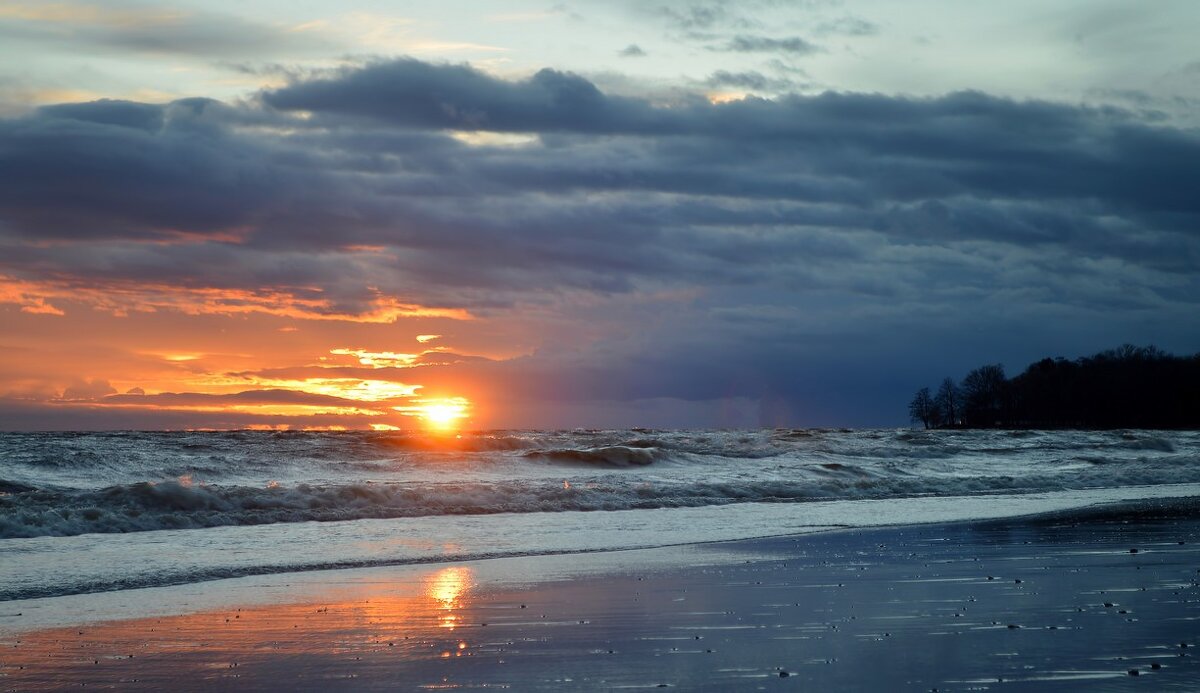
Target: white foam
point(47, 566)
point(492, 473)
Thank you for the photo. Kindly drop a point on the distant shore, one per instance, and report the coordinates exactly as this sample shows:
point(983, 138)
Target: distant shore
point(1127, 387)
point(1101, 596)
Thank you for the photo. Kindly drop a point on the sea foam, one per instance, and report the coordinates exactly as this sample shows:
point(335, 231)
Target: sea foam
point(71, 484)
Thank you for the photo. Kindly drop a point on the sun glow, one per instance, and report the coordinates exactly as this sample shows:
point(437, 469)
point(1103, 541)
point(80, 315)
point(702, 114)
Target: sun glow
point(438, 414)
point(442, 415)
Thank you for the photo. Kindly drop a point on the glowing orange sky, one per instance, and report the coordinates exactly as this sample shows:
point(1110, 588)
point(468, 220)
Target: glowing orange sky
point(127, 356)
point(266, 362)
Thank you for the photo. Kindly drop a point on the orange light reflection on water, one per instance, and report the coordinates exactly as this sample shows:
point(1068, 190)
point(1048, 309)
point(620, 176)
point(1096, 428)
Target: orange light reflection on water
point(365, 633)
point(448, 587)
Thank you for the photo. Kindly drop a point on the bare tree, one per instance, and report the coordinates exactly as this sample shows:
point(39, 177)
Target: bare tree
point(923, 409)
point(947, 400)
point(983, 395)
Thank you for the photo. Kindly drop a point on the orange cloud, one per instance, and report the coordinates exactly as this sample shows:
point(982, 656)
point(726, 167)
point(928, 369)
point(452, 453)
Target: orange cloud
point(170, 355)
point(379, 359)
point(88, 389)
point(25, 295)
point(40, 307)
point(262, 403)
point(359, 390)
point(266, 409)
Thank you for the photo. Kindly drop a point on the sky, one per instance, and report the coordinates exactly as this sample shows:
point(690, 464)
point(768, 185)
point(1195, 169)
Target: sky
point(665, 213)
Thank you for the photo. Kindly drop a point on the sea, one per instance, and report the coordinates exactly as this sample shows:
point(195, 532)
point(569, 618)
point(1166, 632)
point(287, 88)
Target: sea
point(99, 512)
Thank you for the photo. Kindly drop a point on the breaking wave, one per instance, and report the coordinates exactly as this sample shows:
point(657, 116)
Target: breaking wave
point(82, 512)
point(70, 484)
point(628, 455)
point(147, 506)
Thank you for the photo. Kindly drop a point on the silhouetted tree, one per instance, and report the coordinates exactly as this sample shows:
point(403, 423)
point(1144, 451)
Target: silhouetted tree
point(983, 396)
point(947, 402)
point(923, 409)
point(1126, 387)
point(1048, 395)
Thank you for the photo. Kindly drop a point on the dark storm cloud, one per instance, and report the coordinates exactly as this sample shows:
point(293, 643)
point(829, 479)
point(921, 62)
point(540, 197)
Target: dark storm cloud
point(907, 148)
point(126, 169)
point(805, 229)
point(632, 51)
point(417, 94)
point(217, 265)
point(133, 170)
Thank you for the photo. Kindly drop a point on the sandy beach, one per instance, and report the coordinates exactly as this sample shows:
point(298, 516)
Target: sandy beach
point(1100, 599)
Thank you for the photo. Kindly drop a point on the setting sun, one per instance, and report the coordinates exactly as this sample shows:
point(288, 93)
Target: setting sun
point(443, 414)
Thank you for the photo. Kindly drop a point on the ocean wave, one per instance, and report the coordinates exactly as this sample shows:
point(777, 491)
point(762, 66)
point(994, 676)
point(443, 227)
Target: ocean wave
point(244, 456)
point(174, 505)
point(9, 487)
point(1149, 443)
point(611, 456)
point(67, 484)
point(147, 506)
point(645, 443)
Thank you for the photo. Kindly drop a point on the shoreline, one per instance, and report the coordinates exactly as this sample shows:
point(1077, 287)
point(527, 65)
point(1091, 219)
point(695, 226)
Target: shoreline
point(51, 567)
point(1001, 602)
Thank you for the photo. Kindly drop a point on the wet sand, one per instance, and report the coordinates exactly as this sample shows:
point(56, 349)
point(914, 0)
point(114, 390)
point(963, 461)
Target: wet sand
point(1100, 600)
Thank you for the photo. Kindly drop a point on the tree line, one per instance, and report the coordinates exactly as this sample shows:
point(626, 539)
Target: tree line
point(1127, 387)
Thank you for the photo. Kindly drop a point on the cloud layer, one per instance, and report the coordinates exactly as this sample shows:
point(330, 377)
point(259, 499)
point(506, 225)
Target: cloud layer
point(820, 249)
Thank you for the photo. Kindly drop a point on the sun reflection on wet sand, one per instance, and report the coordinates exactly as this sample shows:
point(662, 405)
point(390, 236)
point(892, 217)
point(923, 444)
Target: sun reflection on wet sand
point(838, 611)
point(376, 628)
point(448, 588)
